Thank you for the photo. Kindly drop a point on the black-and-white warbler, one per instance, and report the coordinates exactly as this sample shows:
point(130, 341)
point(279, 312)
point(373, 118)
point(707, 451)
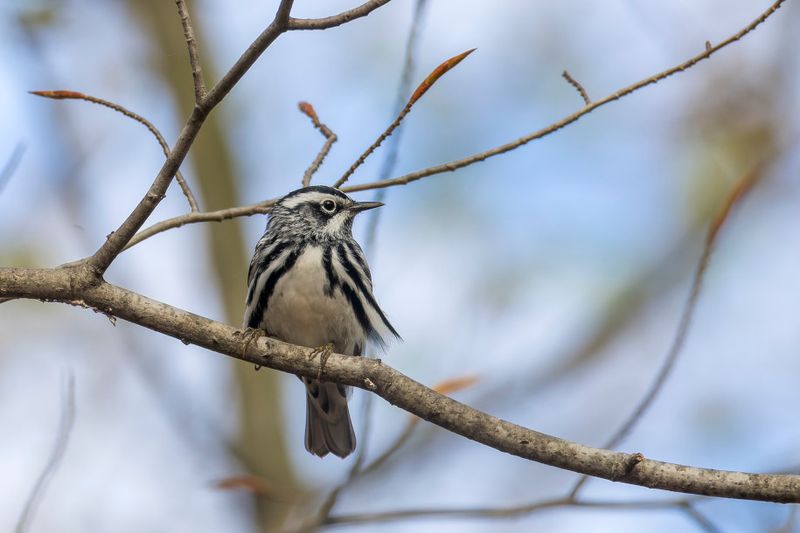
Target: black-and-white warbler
point(309, 284)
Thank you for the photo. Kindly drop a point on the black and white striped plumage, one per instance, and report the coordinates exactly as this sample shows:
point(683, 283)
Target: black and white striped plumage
point(309, 284)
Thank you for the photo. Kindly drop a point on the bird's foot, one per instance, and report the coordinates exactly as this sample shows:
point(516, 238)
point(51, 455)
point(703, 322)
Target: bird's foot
point(250, 336)
point(323, 352)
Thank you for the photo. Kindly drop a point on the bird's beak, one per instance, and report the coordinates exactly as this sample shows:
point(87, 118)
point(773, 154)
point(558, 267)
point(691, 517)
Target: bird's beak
point(364, 206)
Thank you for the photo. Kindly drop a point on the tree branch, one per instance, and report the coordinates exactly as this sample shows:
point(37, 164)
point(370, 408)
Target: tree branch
point(578, 87)
point(510, 512)
point(204, 216)
point(12, 164)
point(253, 209)
point(65, 424)
point(744, 185)
point(356, 471)
point(421, 89)
point(330, 138)
point(194, 57)
point(74, 95)
point(393, 144)
point(699, 518)
point(337, 20)
point(481, 156)
point(118, 240)
point(66, 284)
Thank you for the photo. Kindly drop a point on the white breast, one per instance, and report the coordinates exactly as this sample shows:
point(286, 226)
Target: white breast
point(300, 312)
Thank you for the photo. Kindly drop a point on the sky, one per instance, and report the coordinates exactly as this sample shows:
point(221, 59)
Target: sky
point(503, 270)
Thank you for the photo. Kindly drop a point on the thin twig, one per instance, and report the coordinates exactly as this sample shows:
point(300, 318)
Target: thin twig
point(578, 87)
point(194, 57)
point(356, 472)
point(74, 95)
point(363, 437)
point(253, 209)
point(791, 521)
point(327, 505)
point(12, 164)
point(393, 144)
point(330, 138)
point(702, 521)
point(116, 241)
point(65, 424)
point(423, 87)
point(745, 184)
point(255, 485)
point(337, 20)
point(507, 512)
point(389, 161)
point(200, 216)
point(461, 163)
point(398, 443)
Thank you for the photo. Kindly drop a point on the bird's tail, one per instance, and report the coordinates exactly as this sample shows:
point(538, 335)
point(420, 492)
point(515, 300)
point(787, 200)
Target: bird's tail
point(328, 425)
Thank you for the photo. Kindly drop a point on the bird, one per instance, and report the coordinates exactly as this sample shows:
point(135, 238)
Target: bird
point(309, 284)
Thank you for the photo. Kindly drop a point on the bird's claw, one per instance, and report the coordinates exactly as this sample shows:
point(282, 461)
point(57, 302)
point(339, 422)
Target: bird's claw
point(251, 335)
point(323, 352)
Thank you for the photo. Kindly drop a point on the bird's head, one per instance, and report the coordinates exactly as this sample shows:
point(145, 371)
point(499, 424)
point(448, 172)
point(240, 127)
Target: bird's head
point(318, 212)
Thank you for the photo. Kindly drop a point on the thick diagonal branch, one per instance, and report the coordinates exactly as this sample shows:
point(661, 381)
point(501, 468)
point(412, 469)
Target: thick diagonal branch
point(119, 239)
point(67, 284)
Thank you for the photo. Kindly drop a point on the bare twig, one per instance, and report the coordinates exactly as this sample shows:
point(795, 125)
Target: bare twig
point(389, 161)
point(356, 472)
point(478, 512)
point(74, 95)
point(507, 512)
point(337, 20)
point(12, 164)
point(578, 87)
point(454, 165)
point(330, 138)
point(789, 526)
point(65, 424)
point(423, 87)
point(393, 144)
point(702, 521)
point(201, 216)
point(744, 185)
point(481, 156)
point(281, 23)
point(400, 441)
point(194, 57)
point(256, 485)
point(323, 513)
point(118, 240)
point(67, 284)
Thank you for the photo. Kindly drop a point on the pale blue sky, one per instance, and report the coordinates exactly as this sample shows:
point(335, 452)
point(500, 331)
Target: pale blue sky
point(497, 269)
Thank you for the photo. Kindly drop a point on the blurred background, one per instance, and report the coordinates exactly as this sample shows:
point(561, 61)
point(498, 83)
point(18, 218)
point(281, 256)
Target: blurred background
point(556, 274)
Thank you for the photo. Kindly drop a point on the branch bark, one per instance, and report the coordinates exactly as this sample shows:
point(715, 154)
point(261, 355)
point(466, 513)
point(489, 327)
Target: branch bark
point(67, 284)
point(337, 20)
point(194, 56)
point(117, 240)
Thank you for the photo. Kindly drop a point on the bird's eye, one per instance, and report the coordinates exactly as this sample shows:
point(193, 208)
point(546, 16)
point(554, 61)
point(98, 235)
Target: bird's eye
point(329, 206)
